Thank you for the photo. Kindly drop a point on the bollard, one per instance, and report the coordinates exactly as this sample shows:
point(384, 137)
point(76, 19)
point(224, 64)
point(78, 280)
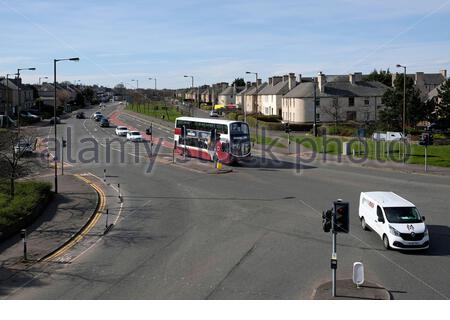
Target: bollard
point(23, 234)
point(107, 214)
point(104, 175)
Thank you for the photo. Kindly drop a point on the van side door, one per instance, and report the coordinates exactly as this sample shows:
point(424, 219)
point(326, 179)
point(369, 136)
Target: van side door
point(377, 223)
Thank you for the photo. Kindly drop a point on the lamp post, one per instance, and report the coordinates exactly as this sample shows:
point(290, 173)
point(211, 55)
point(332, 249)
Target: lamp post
point(54, 114)
point(192, 87)
point(137, 83)
point(256, 94)
point(404, 107)
point(42, 78)
point(315, 108)
point(154, 80)
point(18, 95)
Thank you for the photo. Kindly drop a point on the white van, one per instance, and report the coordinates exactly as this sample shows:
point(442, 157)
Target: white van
point(396, 220)
point(388, 136)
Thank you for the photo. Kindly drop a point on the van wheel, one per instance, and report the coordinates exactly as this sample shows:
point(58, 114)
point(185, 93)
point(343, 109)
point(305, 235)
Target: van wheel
point(386, 242)
point(363, 224)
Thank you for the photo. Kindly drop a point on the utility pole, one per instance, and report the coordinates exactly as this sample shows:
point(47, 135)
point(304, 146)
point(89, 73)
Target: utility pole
point(315, 108)
point(404, 110)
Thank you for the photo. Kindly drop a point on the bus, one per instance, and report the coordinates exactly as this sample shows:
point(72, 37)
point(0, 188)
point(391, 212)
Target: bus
point(212, 139)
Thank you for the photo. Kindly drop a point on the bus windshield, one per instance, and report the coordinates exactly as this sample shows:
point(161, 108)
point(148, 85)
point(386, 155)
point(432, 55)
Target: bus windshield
point(239, 128)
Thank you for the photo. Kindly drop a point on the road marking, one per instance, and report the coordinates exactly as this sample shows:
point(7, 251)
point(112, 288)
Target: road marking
point(93, 220)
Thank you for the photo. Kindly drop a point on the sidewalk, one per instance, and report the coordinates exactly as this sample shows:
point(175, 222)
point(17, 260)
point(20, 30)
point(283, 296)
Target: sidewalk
point(68, 212)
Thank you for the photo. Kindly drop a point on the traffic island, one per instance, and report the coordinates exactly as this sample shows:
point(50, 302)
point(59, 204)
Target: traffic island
point(347, 290)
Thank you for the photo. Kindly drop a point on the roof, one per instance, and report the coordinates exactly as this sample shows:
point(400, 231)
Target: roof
point(230, 91)
point(339, 89)
point(252, 89)
point(280, 88)
point(388, 199)
point(433, 78)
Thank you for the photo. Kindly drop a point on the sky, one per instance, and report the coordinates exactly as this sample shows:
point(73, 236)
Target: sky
point(216, 41)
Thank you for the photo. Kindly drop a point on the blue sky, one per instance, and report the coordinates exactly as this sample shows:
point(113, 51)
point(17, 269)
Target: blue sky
point(219, 40)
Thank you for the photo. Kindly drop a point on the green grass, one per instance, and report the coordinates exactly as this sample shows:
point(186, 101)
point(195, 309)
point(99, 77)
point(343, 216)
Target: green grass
point(266, 141)
point(28, 195)
point(156, 109)
point(390, 151)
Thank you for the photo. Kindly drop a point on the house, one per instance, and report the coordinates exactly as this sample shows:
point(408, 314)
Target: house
point(271, 96)
point(425, 82)
point(338, 98)
point(228, 96)
point(17, 93)
point(251, 99)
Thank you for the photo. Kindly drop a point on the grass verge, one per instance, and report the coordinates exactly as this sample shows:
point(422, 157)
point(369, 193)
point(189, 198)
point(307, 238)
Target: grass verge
point(156, 109)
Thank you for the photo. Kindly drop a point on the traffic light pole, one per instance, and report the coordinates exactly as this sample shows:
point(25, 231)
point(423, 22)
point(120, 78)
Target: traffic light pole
point(426, 155)
point(333, 264)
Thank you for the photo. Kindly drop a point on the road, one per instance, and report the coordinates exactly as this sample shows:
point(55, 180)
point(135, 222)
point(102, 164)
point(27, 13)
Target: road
point(254, 233)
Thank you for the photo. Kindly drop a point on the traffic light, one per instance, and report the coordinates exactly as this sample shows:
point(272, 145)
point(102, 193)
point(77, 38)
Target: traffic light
point(64, 143)
point(341, 217)
point(287, 129)
point(326, 220)
point(426, 139)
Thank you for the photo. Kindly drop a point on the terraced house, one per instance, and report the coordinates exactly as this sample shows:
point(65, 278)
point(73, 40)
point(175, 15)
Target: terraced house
point(271, 96)
point(338, 98)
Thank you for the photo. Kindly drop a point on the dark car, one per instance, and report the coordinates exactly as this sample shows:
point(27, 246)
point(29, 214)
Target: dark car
point(80, 115)
point(98, 117)
point(440, 126)
point(104, 122)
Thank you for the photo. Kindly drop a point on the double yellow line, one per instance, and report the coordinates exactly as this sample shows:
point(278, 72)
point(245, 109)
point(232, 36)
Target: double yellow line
point(100, 209)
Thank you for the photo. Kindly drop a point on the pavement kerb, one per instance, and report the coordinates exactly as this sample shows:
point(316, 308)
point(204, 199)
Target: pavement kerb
point(77, 237)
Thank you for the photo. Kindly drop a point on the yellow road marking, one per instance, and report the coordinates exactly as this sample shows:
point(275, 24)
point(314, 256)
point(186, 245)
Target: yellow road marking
point(84, 231)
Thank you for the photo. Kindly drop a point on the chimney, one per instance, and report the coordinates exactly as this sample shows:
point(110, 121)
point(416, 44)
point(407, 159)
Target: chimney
point(248, 84)
point(270, 81)
point(276, 80)
point(321, 79)
point(299, 78)
point(285, 78)
point(351, 78)
point(419, 79)
point(258, 81)
point(292, 82)
point(444, 73)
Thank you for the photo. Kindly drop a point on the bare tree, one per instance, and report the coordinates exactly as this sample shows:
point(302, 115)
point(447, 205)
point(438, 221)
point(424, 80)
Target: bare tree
point(14, 149)
point(334, 111)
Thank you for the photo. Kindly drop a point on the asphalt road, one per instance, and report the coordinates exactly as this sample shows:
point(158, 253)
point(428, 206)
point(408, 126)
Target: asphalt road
point(254, 233)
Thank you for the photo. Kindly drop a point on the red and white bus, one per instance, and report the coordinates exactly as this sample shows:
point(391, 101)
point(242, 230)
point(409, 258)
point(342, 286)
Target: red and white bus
point(204, 138)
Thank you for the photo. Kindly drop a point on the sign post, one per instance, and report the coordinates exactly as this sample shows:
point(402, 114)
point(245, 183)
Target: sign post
point(23, 234)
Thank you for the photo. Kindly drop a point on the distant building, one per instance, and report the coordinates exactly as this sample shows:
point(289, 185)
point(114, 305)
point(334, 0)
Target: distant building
point(425, 82)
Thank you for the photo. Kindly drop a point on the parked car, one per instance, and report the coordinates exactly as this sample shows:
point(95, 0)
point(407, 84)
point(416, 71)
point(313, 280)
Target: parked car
point(23, 148)
point(104, 122)
point(53, 119)
point(29, 116)
point(134, 136)
point(388, 136)
point(121, 131)
point(213, 114)
point(80, 115)
point(396, 220)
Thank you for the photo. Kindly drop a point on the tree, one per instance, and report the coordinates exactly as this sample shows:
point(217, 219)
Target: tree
point(79, 99)
point(239, 82)
point(383, 76)
point(334, 111)
point(13, 150)
point(88, 94)
point(391, 115)
point(443, 104)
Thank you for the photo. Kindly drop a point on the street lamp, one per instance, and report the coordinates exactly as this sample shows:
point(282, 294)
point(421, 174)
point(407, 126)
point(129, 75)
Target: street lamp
point(42, 78)
point(137, 83)
point(18, 95)
point(155, 81)
point(256, 94)
point(54, 115)
point(404, 107)
point(192, 86)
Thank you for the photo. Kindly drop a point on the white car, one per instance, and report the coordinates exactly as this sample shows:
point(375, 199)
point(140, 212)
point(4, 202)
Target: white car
point(134, 136)
point(213, 114)
point(396, 220)
point(121, 131)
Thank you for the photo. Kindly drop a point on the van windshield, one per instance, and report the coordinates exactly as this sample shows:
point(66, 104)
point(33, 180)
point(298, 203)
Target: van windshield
point(402, 215)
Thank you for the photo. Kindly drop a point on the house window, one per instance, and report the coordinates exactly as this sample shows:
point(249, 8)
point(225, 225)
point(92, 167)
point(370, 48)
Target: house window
point(351, 115)
point(351, 101)
point(366, 102)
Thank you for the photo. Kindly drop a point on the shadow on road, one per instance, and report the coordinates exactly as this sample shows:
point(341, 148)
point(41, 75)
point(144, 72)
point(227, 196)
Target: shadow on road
point(266, 164)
